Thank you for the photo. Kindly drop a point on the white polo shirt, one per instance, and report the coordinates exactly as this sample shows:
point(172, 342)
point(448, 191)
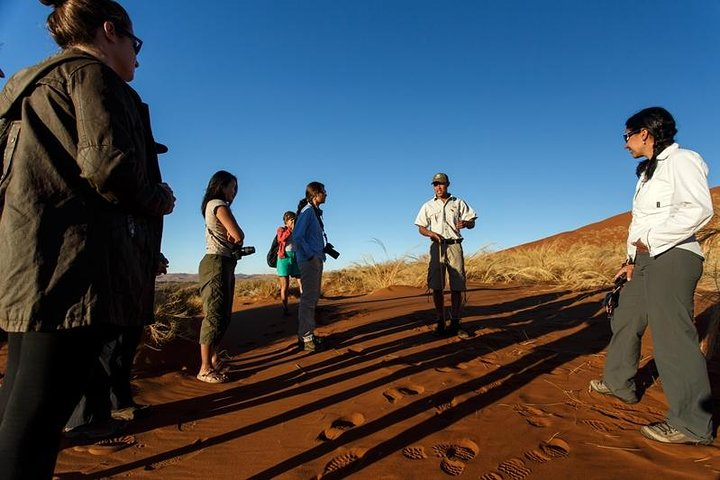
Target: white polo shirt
point(441, 217)
point(674, 204)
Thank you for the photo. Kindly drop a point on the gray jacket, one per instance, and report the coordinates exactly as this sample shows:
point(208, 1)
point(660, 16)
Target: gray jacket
point(82, 220)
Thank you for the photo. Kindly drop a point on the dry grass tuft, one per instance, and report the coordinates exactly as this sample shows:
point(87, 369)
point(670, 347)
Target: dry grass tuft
point(579, 266)
point(175, 306)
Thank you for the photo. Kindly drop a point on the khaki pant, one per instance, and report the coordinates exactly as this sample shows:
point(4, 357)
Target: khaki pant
point(217, 288)
point(661, 295)
point(446, 259)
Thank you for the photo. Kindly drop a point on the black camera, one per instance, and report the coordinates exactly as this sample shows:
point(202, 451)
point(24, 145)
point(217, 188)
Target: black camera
point(239, 252)
point(330, 250)
point(612, 299)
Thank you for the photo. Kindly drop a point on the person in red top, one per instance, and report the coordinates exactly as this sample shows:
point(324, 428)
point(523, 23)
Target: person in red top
point(287, 265)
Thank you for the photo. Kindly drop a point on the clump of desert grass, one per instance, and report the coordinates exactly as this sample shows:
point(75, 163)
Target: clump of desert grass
point(576, 267)
point(559, 264)
point(175, 306)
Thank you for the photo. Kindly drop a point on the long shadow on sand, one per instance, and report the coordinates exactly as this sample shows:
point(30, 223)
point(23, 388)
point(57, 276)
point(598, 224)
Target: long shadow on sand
point(537, 315)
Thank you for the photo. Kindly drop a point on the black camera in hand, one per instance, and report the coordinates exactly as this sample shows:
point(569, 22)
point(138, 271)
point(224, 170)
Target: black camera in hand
point(330, 250)
point(612, 299)
point(239, 252)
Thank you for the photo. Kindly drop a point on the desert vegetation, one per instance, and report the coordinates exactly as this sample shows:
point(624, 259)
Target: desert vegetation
point(562, 264)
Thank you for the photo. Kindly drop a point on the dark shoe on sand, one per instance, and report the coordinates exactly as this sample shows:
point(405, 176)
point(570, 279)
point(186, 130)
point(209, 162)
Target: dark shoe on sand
point(96, 430)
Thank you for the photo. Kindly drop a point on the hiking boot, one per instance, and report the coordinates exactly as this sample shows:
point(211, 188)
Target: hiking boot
point(440, 329)
point(455, 329)
point(96, 430)
point(129, 413)
point(599, 386)
point(315, 344)
point(666, 433)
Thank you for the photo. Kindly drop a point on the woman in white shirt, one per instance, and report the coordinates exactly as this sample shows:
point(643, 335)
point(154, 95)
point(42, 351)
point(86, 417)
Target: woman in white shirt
point(671, 203)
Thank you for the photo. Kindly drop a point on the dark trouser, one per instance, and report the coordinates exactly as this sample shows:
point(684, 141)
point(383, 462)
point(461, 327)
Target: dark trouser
point(661, 295)
point(45, 377)
point(311, 277)
point(109, 387)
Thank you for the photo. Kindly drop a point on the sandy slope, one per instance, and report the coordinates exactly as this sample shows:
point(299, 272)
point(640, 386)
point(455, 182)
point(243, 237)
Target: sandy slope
point(391, 401)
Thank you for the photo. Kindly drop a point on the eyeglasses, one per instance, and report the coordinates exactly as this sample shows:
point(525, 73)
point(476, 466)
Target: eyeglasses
point(627, 135)
point(435, 184)
point(137, 43)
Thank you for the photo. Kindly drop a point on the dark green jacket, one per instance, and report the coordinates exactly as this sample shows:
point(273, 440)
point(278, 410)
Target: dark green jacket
point(82, 220)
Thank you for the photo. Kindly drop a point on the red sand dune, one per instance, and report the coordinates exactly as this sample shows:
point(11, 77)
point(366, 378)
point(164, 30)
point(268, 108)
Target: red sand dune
point(388, 400)
point(613, 229)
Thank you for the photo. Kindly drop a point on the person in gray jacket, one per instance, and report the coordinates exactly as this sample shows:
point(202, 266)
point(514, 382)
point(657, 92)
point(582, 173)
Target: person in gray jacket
point(80, 226)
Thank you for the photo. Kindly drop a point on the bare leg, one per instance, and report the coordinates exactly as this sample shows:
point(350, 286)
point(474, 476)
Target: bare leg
point(439, 302)
point(456, 302)
point(284, 284)
point(207, 353)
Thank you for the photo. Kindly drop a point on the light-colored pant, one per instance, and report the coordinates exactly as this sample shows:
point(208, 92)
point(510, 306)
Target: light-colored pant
point(311, 278)
point(661, 295)
point(446, 259)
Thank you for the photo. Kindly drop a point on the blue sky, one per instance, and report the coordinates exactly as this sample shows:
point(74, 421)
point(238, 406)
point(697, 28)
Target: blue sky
point(522, 103)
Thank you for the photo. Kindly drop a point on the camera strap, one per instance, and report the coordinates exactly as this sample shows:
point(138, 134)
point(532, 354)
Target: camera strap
point(318, 214)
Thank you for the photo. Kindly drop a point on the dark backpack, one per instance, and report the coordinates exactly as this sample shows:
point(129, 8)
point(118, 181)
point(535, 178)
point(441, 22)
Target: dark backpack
point(10, 115)
point(272, 255)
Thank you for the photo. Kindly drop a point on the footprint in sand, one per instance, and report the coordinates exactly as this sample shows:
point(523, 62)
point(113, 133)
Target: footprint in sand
point(107, 446)
point(345, 462)
point(537, 456)
point(452, 467)
point(555, 448)
point(491, 476)
point(416, 452)
point(534, 416)
point(514, 469)
point(456, 455)
point(600, 426)
point(445, 405)
point(394, 394)
point(624, 415)
point(452, 368)
point(341, 425)
point(464, 449)
point(517, 469)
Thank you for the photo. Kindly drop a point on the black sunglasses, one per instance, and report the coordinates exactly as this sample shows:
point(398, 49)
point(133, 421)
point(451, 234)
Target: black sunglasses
point(627, 135)
point(137, 43)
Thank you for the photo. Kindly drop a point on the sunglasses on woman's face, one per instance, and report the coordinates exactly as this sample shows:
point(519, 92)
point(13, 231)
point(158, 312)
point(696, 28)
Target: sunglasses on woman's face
point(137, 43)
point(627, 135)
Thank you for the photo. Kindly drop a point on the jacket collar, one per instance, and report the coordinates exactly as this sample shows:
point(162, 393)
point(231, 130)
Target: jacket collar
point(668, 150)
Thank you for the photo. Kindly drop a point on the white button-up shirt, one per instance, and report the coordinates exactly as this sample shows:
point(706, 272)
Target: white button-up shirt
point(674, 204)
point(442, 217)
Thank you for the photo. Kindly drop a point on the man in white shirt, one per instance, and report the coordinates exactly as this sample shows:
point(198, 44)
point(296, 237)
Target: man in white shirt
point(441, 219)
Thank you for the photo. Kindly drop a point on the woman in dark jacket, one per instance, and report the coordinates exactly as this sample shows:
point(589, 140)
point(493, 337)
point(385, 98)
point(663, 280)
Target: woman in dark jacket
point(80, 226)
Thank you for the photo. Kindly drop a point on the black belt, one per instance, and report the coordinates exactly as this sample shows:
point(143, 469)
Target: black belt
point(452, 241)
